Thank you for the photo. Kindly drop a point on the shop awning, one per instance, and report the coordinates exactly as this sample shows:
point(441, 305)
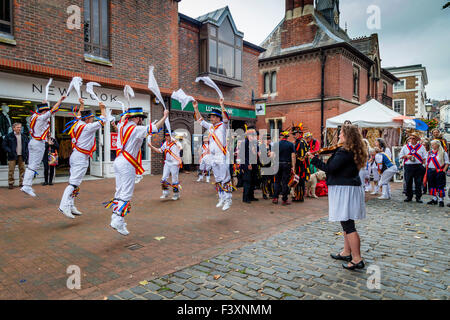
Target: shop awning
point(206, 108)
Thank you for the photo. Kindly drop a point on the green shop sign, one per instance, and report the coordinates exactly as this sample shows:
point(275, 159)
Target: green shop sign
point(206, 108)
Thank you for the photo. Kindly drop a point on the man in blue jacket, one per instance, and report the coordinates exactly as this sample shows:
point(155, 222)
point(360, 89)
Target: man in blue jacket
point(16, 145)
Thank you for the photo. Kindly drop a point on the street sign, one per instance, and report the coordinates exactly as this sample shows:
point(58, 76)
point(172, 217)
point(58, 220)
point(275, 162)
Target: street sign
point(260, 109)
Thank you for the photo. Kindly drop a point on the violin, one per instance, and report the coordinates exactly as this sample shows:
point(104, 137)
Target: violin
point(328, 150)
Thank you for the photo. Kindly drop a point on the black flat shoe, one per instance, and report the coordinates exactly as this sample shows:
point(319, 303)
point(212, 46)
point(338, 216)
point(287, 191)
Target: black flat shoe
point(339, 257)
point(432, 202)
point(419, 201)
point(45, 183)
point(407, 200)
point(254, 199)
point(441, 204)
point(359, 265)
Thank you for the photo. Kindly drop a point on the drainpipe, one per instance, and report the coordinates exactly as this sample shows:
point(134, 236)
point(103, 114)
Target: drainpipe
point(323, 58)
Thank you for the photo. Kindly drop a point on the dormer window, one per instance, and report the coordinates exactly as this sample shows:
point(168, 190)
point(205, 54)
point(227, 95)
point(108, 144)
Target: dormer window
point(221, 52)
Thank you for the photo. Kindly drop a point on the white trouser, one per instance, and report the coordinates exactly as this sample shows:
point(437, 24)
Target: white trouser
point(205, 164)
point(221, 171)
point(125, 175)
point(36, 151)
point(364, 176)
point(385, 178)
point(79, 164)
point(171, 170)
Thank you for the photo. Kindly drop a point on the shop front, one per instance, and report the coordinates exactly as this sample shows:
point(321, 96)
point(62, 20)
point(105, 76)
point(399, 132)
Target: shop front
point(19, 96)
point(183, 121)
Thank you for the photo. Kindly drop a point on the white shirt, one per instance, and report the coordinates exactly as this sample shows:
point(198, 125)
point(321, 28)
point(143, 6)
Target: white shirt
point(388, 153)
point(42, 123)
point(175, 148)
point(220, 131)
point(136, 139)
point(87, 136)
point(421, 152)
point(431, 163)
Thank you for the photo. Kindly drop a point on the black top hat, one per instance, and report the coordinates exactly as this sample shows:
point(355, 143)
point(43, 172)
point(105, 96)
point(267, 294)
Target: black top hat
point(216, 112)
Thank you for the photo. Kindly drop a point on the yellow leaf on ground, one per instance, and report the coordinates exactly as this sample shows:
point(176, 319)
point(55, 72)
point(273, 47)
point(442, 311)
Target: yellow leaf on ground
point(426, 270)
point(417, 237)
point(217, 276)
point(420, 232)
point(143, 283)
point(159, 238)
point(339, 233)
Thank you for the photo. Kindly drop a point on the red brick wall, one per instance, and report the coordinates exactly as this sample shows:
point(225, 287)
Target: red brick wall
point(141, 33)
point(189, 70)
point(298, 31)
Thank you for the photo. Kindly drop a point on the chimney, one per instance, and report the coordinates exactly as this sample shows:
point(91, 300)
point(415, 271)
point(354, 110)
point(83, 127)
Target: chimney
point(289, 8)
point(299, 26)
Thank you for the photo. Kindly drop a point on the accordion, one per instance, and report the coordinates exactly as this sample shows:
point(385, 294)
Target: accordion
point(293, 181)
point(53, 159)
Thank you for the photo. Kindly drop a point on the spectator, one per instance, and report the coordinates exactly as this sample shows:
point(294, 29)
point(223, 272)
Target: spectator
point(16, 145)
point(51, 146)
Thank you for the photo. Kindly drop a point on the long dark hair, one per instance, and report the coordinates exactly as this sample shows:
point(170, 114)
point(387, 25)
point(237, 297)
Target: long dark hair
point(354, 143)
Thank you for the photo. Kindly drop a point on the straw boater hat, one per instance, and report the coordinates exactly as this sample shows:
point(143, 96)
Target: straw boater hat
point(413, 135)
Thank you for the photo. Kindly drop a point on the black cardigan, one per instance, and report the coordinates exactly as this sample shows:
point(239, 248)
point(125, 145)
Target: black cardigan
point(340, 168)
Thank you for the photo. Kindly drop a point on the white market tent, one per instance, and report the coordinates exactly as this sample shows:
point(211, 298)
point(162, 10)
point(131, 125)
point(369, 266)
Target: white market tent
point(371, 114)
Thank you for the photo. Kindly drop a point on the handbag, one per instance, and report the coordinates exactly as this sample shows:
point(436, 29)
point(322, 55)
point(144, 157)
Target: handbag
point(53, 159)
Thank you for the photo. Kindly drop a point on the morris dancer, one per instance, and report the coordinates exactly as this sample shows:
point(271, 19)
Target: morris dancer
point(437, 165)
point(172, 164)
point(387, 169)
point(301, 163)
point(82, 131)
point(415, 155)
point(128, 163)
point(217, 129)
point(39, 129)
point(204, 168)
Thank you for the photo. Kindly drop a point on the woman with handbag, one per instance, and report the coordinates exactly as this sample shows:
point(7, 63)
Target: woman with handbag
point(345, 191)
point(50, 160)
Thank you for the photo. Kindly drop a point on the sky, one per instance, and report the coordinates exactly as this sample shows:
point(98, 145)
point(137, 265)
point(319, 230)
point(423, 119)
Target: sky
point(410, 31)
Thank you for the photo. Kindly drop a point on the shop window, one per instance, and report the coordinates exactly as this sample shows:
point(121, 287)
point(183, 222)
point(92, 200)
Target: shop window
point(275, 124)
point(13, 111)
point(6, 16)
point(96, 28)
point(385, 88)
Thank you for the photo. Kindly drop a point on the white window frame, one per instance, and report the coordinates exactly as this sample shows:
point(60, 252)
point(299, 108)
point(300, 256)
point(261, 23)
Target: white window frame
point(404, 105)
point(403, 86)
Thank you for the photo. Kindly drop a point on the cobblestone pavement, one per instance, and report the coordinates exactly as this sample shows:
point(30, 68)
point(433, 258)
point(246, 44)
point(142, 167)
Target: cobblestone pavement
point(409, 242)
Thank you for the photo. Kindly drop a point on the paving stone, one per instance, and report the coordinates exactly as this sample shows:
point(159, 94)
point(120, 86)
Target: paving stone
point(272, 293)
point(271, 285)
point(175, 287)
point(152, 296)
point(126, 295)
point(238, 296)
point(223, 291)
point(292, 292)
point(191, 286)
point(252, 272)
point(206, 292)
point(197, 280)
point(138, 290)
point(210, 285)
point(190, 294)
point(254, 286)
point(160, 282)
point(167, 293)
point(266, 270)
point(152, 287)
point(182, 275)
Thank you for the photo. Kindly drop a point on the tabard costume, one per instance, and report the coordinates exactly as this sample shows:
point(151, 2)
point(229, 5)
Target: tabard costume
point(172, 165)
point(40, 127)
point(127, 165)
point(218, 148)
point(84, 145)
point(204, 169)
point(302, 168)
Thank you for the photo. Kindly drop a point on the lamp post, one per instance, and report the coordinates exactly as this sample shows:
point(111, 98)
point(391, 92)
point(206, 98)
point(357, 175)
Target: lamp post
point(428, 108)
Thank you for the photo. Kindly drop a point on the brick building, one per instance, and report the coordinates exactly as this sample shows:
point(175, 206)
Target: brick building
point(311, 69)
point(409, 91)
point(113, 43)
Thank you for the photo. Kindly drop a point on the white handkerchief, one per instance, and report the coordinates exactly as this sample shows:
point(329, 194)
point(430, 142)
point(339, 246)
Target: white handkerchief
point(123, 106)
point(76, 84)
point(47, 87)
point(128, 93)
point(182, 98)
point(90, 89)
point(153, 86)
point(210, 83)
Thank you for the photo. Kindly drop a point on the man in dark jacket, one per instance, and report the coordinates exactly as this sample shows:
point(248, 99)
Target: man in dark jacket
point(51, 146)
point(16, 145)
point(249, 167)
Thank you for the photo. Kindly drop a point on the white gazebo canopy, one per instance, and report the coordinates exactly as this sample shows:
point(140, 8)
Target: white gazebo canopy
point(371, 114)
